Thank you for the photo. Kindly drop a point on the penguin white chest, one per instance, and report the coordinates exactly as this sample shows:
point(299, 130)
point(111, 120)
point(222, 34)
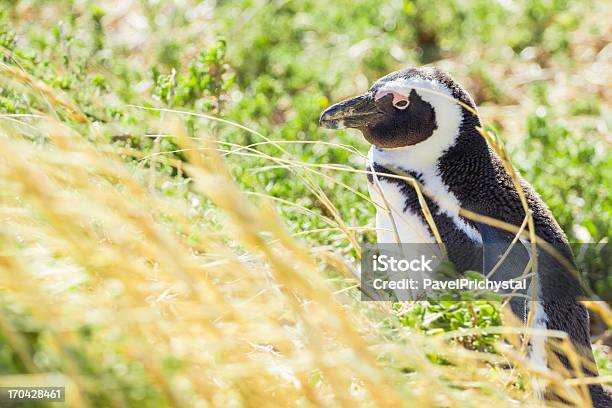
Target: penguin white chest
point(397, 223)
point(393, 223)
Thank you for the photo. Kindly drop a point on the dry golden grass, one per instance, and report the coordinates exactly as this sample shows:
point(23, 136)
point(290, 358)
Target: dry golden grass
point(88, 240)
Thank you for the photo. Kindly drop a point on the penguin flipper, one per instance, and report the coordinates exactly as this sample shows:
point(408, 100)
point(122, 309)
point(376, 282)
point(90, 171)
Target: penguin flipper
point(495, 244)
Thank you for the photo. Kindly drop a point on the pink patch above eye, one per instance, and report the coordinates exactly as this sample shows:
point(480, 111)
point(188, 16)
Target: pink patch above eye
point(400, 101)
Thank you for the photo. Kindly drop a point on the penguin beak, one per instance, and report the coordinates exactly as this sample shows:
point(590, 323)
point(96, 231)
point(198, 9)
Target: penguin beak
point(351, 113)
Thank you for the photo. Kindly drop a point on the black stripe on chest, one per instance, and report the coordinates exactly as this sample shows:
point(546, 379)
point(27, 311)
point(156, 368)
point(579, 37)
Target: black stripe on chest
point(462, 250)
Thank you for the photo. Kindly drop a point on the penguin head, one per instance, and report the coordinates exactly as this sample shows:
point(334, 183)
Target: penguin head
point(405, 108)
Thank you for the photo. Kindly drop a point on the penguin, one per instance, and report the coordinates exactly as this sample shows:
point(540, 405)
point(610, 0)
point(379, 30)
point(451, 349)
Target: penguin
point(420, 122)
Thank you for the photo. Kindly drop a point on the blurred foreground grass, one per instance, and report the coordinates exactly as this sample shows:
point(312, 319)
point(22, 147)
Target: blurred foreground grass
point(150, 255)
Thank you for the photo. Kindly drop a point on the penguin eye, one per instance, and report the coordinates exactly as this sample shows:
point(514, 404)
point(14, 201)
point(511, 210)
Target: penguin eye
point(399, 98)
point(401, 104)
